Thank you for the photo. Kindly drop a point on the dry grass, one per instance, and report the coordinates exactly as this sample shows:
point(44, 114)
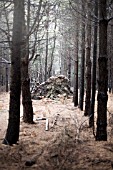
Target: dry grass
point(68, 145)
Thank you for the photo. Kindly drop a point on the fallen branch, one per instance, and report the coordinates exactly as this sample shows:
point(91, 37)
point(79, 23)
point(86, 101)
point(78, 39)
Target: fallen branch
point(55, 121)
point(47, 122)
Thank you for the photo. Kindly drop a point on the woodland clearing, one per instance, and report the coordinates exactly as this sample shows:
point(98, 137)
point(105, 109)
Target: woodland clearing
point(68, 144)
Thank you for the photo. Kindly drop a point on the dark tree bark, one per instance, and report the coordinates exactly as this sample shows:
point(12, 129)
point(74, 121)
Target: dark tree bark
point(40, 68)
point(69, 65)
point(26, 95)
point(101, 133)
point(12, 134)
point(75, 91)
point(6, 82)
point(81, 96)
point(110, 56)
point(91, 116)
point(88, 60)
point(111, 61)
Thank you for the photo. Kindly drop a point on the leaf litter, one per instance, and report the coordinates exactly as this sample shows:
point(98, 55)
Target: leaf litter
point(68, 144)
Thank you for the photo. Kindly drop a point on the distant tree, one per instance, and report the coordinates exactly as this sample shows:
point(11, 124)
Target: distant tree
point(47, 41)
point(76, 58)
point(53, 48)
point(5, 39)
point(75, 91)
point(82, 72)
point(12, 134)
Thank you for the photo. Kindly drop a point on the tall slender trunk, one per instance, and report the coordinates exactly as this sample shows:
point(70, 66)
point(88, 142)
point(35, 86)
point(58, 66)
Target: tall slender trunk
point(81, 96)
point(65, 57)
point(40, 68)
point(53, 49)
point(26, 95)
point(93, 91)
point(88, 60)
point(52, 58)
point(101, 133)
point(47, 36)
point(6, 79)
point(69, 65)
point(75, 91)
point(110, 59)
point(12, 134)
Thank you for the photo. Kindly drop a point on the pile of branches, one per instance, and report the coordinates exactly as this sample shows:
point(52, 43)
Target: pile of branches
point(52, 88)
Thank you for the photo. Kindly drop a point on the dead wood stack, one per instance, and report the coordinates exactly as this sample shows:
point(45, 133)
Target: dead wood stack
point(52, 88)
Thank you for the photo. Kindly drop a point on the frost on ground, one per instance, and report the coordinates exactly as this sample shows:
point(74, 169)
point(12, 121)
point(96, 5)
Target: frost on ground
point(68, 144)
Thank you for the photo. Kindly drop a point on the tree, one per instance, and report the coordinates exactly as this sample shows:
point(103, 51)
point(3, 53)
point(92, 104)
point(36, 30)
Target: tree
point(76, 44)
point(110, 50)
point(81, 96)
point(53, 49)
point(12, 134)
point(47, 41)
point(26, 94)
point(75, 91)
point(88, 60)
point(93, 90)
point(44, 39)
point(101, 132)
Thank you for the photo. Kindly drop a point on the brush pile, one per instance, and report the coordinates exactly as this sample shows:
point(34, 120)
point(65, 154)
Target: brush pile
point(52, 88)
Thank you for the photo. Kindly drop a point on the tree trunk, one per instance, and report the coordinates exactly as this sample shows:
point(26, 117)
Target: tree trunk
point(53, 50)
point(101, 133)
point(40, 68)
point(12, 134)
point(26, 95)
point(6, 82)
point(111, 36)
point(75, 91)
point(91, 116)
point(69, 65)
point(110, 56)
point(81, 97)
point(47, 36)
point(88, 60)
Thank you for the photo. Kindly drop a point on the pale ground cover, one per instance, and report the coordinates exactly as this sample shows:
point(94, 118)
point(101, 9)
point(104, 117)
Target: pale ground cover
point(68, 144)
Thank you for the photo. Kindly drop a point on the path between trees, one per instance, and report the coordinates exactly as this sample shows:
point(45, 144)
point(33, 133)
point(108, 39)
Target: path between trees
point(68, 143)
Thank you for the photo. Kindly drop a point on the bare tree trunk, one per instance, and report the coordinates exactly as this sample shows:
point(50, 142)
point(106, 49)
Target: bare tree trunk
point(12, 134)
point(26, 95)
point(69, 65)
point(47, 36)
point(40, 68)
point(75, 91)
point(53, 49)
point(52, 59)
point(65, 57)
point(81, 96)
point(110, 57)
point(6, 79)
point(91, 116)
point(101, 133)
point(88, 59)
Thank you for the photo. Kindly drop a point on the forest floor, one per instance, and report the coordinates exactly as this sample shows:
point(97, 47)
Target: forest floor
point(68, 144)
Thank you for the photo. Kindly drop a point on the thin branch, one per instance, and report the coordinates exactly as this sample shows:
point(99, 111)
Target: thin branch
point(108, 20)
